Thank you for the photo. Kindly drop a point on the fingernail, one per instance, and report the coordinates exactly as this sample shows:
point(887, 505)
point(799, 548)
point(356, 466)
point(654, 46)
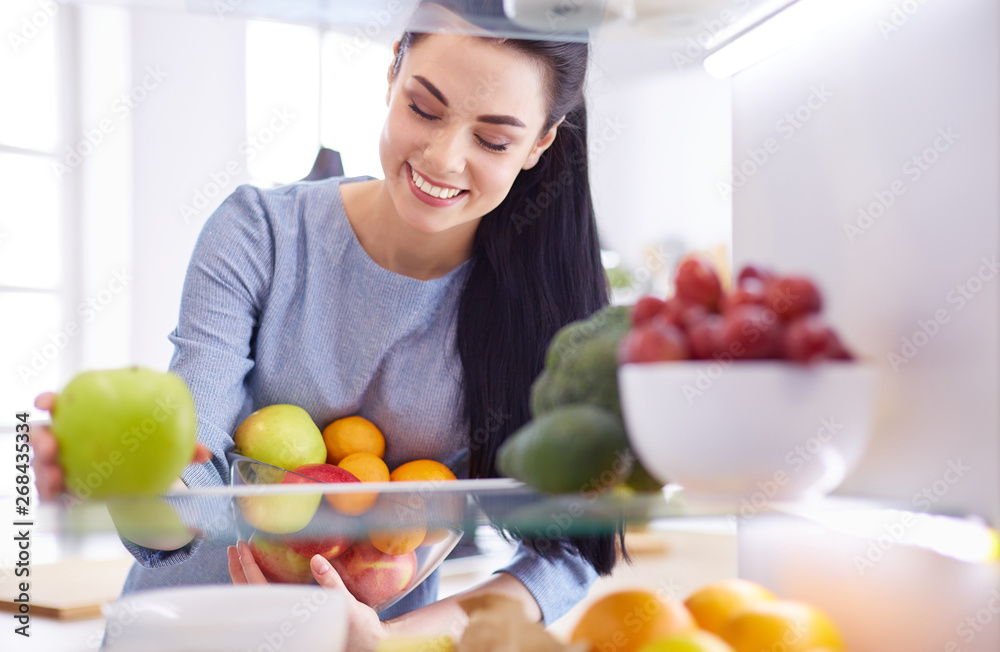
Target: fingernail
point(320, 565)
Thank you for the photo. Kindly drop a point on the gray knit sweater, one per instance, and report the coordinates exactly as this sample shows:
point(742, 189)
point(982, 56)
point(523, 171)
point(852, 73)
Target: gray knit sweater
point(281, 304)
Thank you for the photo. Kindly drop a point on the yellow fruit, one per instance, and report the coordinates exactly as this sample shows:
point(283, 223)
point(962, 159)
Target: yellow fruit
point(428, 643)
point(352, 435)
point(367, 468)
point(712, 605)
point(782, 624)
point(625, 621)
point(696, 641)
point(421, 470)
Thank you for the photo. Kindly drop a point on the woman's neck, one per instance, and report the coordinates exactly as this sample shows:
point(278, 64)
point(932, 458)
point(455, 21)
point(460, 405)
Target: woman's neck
point(395, 245)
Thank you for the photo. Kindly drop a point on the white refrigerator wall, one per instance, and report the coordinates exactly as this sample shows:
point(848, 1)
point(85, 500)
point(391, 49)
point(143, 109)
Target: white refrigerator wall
point(867, 157)
point(188, 133)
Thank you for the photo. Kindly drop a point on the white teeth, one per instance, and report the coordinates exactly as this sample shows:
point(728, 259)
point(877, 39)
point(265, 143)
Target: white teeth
point(433, 191)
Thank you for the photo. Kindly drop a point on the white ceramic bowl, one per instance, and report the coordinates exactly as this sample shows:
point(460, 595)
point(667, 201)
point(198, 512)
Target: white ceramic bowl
point(767, 430)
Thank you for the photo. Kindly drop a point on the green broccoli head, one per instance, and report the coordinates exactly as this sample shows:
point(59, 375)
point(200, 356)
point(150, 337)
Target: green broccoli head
point(581, 365)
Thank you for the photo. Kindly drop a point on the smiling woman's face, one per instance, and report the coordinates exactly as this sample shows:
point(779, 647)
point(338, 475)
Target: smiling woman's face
point(466, 114)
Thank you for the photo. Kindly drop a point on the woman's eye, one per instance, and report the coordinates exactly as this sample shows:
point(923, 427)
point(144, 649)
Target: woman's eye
point(493, 147)
point(425, 116)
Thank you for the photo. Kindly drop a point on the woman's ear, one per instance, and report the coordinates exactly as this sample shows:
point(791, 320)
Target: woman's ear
point(388, 74)
point(543, 144)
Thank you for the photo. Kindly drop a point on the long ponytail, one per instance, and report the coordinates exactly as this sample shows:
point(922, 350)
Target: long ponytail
point(535, 267)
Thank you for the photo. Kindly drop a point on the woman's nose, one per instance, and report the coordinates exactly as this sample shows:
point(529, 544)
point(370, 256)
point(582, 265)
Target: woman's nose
point(444, 152)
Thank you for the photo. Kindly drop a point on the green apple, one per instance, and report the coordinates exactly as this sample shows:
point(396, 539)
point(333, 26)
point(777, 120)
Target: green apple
point(124, 431)
point(280, 513)
point(150, 522)
point(281, 435)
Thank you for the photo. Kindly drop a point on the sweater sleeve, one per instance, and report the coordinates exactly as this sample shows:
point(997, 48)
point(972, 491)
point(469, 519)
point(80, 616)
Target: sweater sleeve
point(226, 287)
point(557, 582)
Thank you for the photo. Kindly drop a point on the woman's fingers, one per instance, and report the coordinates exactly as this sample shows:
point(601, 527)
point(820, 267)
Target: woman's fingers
point(324, 573)
point(201, 454)
point(236, 573)
point(250, 569)
point(49, 478)
point(45, 400)
point(43, 442)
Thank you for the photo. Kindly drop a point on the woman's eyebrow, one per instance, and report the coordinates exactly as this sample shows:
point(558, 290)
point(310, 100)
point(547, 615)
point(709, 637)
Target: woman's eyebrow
point(491, 119)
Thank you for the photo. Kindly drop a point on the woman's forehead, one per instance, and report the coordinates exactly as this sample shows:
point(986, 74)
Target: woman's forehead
point(462, 66)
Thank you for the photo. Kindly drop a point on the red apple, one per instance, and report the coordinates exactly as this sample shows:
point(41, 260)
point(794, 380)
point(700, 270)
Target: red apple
point(704, 338)
point(809, 339)
point(752, 271)
point(752, 332)
point(371, 575)
point(791, 296)
point(681, 312)
point(653, 342)
point(329, 473)
point(697, 281)
point(645, 309)
point(278, 562)
point(751, 290)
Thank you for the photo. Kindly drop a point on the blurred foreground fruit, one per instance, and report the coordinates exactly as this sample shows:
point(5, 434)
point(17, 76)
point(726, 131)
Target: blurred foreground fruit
point(782, 624)
point(626, 621)
point(572, 448)
point(581, 364)
point(124, 431)
point(714, 604)
point(150, 522)
point(698, 282)
point(697, 641)
point(281, 435)
point(427, 643)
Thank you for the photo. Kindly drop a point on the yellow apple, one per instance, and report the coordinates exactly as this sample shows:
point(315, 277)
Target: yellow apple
point(281, 435)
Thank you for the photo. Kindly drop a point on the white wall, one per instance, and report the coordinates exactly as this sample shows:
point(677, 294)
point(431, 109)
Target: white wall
point(660, 136)
point(895, 82)
point(187, 137)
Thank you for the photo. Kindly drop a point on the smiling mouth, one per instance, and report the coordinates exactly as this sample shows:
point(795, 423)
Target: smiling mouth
point(430, 189)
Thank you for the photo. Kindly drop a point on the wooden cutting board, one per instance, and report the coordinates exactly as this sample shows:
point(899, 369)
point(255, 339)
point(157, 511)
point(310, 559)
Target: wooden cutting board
point(69, 590)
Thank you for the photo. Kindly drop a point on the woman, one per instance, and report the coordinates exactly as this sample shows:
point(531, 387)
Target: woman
point(424, 301)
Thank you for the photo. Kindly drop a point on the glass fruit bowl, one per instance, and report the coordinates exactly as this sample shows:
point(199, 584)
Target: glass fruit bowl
point(383, 538)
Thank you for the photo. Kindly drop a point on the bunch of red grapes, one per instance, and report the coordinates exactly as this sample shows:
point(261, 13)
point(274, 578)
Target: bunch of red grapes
point(765, 317)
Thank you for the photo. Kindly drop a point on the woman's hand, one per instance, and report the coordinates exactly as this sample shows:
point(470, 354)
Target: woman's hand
point(365, 629)
point(49, 476)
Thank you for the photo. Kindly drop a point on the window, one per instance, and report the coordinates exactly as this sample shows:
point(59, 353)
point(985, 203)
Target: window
point(34, 261)
point(308, 88)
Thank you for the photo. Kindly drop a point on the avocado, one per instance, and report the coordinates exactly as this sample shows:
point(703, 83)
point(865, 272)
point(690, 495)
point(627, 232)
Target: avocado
point(570, 448)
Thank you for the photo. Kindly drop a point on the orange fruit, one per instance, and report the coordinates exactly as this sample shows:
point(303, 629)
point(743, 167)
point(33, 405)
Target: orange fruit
point(625, 621)
point(782, 624)
point(397, 541)
point(424, 471)
point(421, 470)
point(712, 605)
point(367, 468)
point(350, 435)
